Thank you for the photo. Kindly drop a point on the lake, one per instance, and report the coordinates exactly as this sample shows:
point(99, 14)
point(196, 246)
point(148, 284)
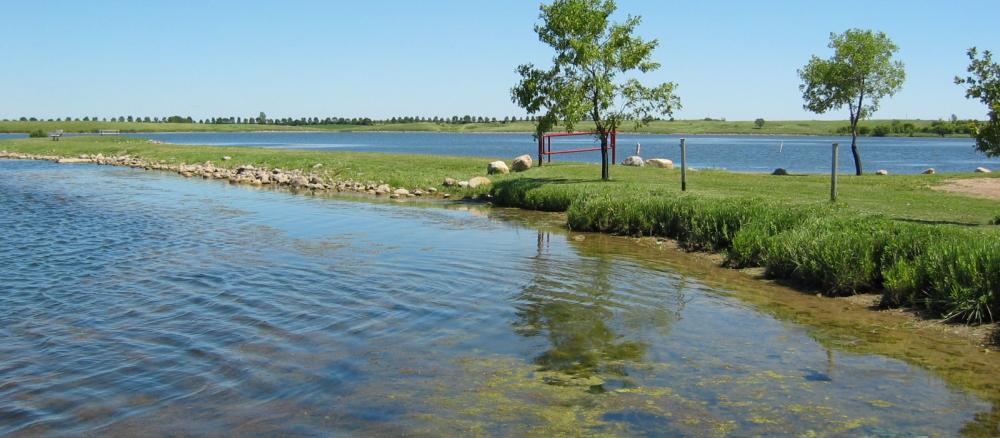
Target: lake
point(803, 154)
point(140, 303)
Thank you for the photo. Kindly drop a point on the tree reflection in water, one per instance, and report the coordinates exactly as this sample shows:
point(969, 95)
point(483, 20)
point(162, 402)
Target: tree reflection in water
point(574, 306)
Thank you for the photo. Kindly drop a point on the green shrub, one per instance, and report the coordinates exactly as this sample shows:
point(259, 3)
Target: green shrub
point(956, 276)
point(37, 134)
point(996, 220)
point(839, 255)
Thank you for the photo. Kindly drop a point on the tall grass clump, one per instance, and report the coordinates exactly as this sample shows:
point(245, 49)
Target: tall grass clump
point(957, 276)
point(839, 255)
point(534, 194)
point(697, 223)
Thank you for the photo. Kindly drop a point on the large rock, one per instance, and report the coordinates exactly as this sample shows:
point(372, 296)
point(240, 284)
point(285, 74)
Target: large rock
point(477, 181)
point(401, 192)
point(780, 172)
point(299, 181)
point(882, 172)
point(983, 170)
point(929, 171)
point(448, 182)
point(662, 163)
point(497, 167)
point(634, 160)
point(522, 163)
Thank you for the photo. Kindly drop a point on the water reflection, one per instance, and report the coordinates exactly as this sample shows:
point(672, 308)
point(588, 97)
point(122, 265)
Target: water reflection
point(578, 324)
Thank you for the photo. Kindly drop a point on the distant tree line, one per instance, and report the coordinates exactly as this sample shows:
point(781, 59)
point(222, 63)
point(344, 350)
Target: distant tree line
point(953, 126)
point(262, 119)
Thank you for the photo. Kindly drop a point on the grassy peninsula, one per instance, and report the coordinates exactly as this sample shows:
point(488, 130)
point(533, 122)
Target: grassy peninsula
point(778, 127)
point(923, 248)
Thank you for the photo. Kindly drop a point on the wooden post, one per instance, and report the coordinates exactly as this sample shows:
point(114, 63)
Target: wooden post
point(833, 174)
point(684, 177)
point(541, 148)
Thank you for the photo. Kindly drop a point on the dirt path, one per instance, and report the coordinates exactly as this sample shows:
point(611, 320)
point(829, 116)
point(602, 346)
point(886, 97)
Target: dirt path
point(979, 187)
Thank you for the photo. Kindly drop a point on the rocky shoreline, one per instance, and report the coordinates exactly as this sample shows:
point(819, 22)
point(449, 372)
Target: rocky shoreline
point(251, 175)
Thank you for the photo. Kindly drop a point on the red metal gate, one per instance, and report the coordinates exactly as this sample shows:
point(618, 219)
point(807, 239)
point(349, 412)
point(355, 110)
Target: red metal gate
point(545, 145)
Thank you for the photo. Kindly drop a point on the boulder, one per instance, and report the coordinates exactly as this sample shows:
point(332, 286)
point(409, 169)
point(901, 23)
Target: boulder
point(983, 170)
point(929, 171)
point(497, 167)
point(479, 181)
point(401, 192)
point(448, 182)
point(634, 160)
point(882, 172)
point(299, 181)
point(227, 158)
point(522, 163)
point(463, 184)
point(780, 172)
point(382, 189)
point(662, 163)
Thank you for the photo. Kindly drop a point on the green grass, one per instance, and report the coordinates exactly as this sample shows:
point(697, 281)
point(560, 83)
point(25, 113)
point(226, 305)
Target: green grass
point(931, 250)
point(778, 127)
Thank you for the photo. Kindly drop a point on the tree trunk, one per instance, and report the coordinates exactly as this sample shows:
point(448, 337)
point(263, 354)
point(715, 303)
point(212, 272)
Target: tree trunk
point(604, 157)
point(857, 154)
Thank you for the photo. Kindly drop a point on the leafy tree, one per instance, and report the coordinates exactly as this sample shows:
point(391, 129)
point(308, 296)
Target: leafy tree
point(859, 74)
point(591, 51)
point(984, 84)
point(759, 123)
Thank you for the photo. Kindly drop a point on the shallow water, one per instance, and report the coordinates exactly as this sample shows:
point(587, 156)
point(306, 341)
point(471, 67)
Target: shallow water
point(139, 302)
point(746, 153)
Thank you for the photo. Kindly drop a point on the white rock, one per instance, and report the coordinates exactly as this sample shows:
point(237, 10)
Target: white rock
point(497, 167)
point(448, 182)
point(479, 181)
point(522, 163)
point(634, 160)
point(401, 192)
point(227, 158)
point(929, 171)
point(662, 163)
point(983, 170)
point(882, 172)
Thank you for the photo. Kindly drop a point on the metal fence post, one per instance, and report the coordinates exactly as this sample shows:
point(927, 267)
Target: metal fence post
point(684, 178)
point(833, 174)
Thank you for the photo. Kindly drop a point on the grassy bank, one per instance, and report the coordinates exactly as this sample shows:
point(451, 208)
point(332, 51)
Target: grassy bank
point(923, 248)
point(778, 127)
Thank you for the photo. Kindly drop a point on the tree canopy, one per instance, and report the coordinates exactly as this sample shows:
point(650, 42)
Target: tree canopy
point(583, 83)
point(860, 74)
point(984, 84)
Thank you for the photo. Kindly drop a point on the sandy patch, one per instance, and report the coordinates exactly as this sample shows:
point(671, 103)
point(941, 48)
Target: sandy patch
point(978, 187)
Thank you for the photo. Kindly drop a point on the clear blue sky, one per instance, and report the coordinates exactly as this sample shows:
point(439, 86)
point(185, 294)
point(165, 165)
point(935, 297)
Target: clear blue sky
point(733, 59)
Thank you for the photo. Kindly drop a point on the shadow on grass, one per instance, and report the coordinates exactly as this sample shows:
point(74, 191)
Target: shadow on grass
point(933, 222)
